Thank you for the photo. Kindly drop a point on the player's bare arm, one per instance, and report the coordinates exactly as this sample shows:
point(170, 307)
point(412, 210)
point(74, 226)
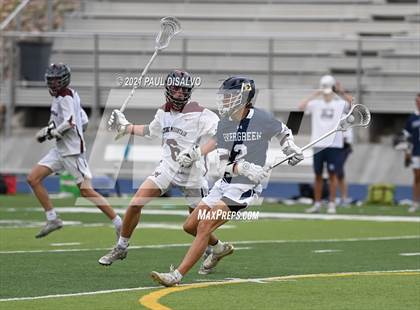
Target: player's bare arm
point(304, 103)
point(340, 91)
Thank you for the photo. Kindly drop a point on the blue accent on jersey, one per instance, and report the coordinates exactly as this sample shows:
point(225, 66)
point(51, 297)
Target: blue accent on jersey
point(412, 126)
point(248, 139)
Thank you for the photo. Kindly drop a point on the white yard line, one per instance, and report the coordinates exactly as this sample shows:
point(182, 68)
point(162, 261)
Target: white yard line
point(243, 248)
point(30, 223)
point(410, 254)
point(162, 246)
point(65, 244)
point(80, 294)
point(149, 225)
point(344, 217)
point(257, 280)
point(262, 215)
point(326, 251)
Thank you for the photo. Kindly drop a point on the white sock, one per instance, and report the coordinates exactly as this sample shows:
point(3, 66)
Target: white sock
point(123, 242)
point(415, 204)
point(317, 204)
point(51, 215)
point(117, 222)
point(177, 274)
point(218, 247)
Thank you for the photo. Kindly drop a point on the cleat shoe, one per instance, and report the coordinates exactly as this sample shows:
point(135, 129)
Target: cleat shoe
point(49, 227)
point(314, 209)
point(166, 279)
point(204, 271)
point(206, 254)
point(115, 254)
point(346, 202)
point(331, 208)
point(413, 209)
point(212, 260)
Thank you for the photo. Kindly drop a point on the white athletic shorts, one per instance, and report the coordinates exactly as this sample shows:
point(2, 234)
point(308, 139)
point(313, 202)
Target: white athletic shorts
point(415, 162)
point(236, 196)
point(76, 165)
point(193, 195)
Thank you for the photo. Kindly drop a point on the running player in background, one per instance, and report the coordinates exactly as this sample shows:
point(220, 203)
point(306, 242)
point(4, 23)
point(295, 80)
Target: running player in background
point(67, 123)
point(182, 125)
point(242, 136)
point(326, 109)
point(412, 133)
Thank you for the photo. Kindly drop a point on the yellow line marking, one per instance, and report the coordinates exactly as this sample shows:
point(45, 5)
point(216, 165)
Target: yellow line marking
point(151, 301)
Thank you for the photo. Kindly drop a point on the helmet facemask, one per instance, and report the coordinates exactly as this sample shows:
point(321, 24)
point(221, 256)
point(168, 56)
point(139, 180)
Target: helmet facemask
point(230, 101)
point(178, 96)
point(57, 77)
point(178, 89)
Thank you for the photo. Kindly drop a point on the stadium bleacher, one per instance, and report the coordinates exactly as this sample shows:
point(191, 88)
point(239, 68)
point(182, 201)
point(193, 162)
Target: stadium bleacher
point(285, 45)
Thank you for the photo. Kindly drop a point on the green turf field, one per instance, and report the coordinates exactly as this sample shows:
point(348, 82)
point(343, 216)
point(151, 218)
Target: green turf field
point(278, 263)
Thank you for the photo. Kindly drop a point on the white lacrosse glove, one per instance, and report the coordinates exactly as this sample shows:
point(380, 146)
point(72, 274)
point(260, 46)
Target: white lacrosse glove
point(187, 157)
point(42, 134)
point(118, 120)
point(48, 132)
point(54, 133)
point(252, 171)
point(289, 148)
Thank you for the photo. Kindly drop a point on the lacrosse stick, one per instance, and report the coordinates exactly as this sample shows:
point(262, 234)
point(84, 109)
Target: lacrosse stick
point(169, 27)
point(358, 116)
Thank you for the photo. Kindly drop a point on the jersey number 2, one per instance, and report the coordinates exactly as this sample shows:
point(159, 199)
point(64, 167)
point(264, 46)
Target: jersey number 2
point(241, 149)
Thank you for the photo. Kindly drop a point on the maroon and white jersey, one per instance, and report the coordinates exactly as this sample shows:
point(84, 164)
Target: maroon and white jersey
point(66, 107)
point(180, 131)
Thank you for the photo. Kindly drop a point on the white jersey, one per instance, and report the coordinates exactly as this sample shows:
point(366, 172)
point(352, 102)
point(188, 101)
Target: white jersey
point(66, 108)
point(180, 131)
point(326, 117)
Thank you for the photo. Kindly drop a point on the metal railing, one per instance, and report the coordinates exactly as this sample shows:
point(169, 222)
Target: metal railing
point(338, 46)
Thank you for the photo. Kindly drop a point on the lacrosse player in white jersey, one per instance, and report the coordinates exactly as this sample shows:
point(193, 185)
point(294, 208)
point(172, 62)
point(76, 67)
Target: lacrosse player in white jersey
point(66, 126)
point(182, 125)
point(326, 108)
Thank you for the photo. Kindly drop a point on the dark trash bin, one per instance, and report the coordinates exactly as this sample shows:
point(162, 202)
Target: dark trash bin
point(34, 59)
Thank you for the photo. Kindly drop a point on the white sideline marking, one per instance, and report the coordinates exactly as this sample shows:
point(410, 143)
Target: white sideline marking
point(162, 225)
point(326, 251)
point(65, 244)
point(235, 280)
point(163, 246)
point(410, 254)
point(243, 248)
point(262, 215)
point(80, 294)
point(30, 224)
point(345, 217)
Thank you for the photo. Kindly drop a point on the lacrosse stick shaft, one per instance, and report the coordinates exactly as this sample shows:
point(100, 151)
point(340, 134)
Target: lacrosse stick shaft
point(146, 68)
point(305, 147)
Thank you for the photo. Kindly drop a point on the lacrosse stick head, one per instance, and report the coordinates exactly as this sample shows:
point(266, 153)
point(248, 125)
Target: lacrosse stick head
point(358, 116)
point(169, 27)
